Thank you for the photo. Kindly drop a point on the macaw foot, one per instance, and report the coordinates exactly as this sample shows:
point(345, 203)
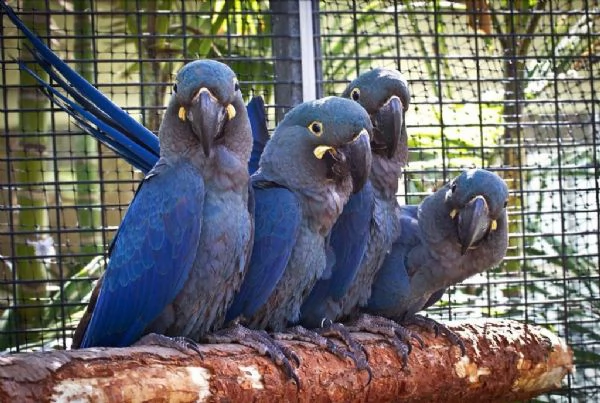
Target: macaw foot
point(438, 328)
point(260, 341)
point(399, 336)
point(334, 329)
point(182, 344)
point(318, 337)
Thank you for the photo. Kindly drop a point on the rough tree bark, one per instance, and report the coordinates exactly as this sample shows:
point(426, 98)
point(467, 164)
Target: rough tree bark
point(505, 361)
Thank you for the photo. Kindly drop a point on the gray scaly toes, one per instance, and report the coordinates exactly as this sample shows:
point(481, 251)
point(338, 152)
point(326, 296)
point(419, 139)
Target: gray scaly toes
point(260, 341)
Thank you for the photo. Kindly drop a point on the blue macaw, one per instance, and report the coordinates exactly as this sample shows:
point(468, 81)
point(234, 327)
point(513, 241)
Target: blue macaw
point(363, 234)
point(365, 230)
point(183, 246)
point(184, 243)
point(304, 179)
point(460, 230)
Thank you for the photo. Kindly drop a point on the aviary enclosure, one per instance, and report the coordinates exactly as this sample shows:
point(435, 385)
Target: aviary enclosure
point(510, 86)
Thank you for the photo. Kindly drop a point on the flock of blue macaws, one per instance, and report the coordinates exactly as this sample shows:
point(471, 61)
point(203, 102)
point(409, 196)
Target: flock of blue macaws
point(234, 233)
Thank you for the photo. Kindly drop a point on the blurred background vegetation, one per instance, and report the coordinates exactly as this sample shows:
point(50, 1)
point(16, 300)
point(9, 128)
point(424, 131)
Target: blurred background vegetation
point(505, 85)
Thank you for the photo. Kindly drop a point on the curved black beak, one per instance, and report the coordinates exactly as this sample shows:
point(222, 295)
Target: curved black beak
point(207, 117)
point(353, 158)
point(389, 127)
point(473, 223)
point(359, 154)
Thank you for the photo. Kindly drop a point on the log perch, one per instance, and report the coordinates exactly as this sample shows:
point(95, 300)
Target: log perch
point(505, 361)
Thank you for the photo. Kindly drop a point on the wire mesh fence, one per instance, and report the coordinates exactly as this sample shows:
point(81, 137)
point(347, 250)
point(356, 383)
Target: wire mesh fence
point(508, 86)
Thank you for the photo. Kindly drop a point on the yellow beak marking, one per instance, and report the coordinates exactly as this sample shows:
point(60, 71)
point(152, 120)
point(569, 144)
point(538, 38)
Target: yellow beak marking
point(319, 151)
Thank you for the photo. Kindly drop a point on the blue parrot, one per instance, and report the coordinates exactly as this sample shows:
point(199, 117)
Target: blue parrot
point(304, 179)
point(460, 230)
point(365, 230)
point(183, 247)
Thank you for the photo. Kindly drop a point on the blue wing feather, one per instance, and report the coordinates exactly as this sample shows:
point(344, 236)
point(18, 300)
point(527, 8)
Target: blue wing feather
point(260, 133)
point(151, 256)
point(276, 225)
point(392, 283)
point(349, 238)
point(347, 244)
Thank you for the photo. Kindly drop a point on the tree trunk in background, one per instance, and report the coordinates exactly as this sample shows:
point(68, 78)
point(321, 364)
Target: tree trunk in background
point(30, 174)
point(513, 154)
point(85, 147)
point(519, 24)
point(151, 71)
point(285, 21)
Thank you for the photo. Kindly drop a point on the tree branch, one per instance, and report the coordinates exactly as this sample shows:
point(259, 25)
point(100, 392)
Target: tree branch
point(505, 361)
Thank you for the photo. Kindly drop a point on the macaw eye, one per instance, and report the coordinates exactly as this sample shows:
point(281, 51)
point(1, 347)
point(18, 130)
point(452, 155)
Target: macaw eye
point(355, 94)
point(174, 87)
point(506, 204)
point(236, 85)
point(316, 128)
point(453, 187)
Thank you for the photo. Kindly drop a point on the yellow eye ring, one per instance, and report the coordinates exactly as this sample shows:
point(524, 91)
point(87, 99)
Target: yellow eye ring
point(236, 84)
point(316, 128)
point(355, 94)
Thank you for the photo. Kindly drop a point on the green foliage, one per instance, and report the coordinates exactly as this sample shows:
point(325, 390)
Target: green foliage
point(168, 35)
point(62, 310)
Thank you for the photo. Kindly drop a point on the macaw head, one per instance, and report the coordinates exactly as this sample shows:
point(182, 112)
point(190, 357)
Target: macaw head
point(385, 96)
point(207, 100)
point(321, 141)
point(476, 201)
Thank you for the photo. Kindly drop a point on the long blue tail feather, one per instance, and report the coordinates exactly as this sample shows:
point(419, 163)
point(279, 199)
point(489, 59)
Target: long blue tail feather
point(111, 137)
point(125, 128)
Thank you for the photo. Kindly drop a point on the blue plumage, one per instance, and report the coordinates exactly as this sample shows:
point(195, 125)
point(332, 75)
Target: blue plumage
point(152, 255)
point(347, 244)
point(260, 133)
point(368, 223)
point(307, 157)
point(429, 255)
point(127, 129)
point(276, 225)
point(183, 247)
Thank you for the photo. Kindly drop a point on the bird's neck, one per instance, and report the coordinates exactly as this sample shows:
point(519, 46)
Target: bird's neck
point(384, 176)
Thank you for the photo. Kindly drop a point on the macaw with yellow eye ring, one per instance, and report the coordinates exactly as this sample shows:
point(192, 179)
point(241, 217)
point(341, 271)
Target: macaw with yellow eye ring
point(460, 230)
point(183, 247)
point(318, 156)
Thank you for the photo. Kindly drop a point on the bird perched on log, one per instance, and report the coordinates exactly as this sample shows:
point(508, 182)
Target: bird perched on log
point(460, 230)
point(318, 155)
point(368, 222)
point(364, 233)
point(183, 246)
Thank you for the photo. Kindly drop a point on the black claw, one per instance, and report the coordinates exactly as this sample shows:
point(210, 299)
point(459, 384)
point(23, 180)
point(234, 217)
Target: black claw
point(398, 335)
point(319, 337)
point(403, 350)
point(262, 342)
point(290, 355)
point(439, 328)
point(182, 344)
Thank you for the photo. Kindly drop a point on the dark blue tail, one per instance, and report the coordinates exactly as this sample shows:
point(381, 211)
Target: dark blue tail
point(260, 133)
point(91, 110)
